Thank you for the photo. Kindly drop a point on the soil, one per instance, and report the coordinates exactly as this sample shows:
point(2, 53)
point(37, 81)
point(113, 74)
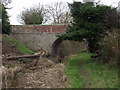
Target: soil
point(8, 49)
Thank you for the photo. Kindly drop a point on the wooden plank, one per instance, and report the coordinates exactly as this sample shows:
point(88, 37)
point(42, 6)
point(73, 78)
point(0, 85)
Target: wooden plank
point(26, 56)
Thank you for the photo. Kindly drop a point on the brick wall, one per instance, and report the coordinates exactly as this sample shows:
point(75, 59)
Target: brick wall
point(38, 29)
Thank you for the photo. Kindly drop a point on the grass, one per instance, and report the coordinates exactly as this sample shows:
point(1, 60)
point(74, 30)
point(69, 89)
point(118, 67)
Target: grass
point(22, 48)
point(83, 73)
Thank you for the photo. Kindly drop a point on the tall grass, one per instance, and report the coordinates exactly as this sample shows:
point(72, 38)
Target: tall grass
point(83, 73)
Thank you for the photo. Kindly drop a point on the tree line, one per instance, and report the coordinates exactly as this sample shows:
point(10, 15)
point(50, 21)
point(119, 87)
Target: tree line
point(54, 13)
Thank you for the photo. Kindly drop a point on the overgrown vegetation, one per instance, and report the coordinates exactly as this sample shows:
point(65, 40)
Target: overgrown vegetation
point(110, 47)
point(22, 48)
point(90, 23)
point(82, 72)
point(96, 25)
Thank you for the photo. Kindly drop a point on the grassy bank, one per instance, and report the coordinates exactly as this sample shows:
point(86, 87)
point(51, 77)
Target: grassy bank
point(83, 73)
point(13, 70)
point(22, 48)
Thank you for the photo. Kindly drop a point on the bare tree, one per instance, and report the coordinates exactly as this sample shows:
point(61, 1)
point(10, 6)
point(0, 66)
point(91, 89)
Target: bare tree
point(58, 13)
point(33, 15)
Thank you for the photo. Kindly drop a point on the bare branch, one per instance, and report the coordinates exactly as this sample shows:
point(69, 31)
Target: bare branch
point(59, 13)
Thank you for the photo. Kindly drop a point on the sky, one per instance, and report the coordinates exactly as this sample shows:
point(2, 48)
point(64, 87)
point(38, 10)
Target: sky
point(18, 6)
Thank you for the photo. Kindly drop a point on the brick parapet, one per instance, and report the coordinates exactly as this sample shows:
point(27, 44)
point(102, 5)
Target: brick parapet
point(38, 29)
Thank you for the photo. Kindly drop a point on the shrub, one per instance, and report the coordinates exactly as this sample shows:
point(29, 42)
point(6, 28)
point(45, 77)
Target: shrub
point(110, 46)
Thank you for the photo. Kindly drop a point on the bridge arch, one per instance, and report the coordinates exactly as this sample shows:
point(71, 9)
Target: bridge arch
point(55, 47)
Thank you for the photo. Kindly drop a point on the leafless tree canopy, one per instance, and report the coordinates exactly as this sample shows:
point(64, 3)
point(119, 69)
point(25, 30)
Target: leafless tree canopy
point(55, 13)
point(33, 15)
point(58, 13)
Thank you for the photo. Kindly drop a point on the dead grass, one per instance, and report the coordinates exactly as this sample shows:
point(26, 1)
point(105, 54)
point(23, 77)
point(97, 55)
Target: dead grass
point(41, 74)
point(9, 75)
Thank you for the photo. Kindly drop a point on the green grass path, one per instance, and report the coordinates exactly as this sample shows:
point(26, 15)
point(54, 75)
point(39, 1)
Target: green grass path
point(83, 73)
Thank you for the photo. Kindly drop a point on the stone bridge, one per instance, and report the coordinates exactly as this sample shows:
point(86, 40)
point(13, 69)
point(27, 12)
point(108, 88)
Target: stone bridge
point(38, 37)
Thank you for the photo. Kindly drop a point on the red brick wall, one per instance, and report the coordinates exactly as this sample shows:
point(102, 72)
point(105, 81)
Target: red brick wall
point(44, 28)
point(59, 28)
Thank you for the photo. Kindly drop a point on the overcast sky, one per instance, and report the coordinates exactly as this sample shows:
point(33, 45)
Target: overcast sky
point(19, 5)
